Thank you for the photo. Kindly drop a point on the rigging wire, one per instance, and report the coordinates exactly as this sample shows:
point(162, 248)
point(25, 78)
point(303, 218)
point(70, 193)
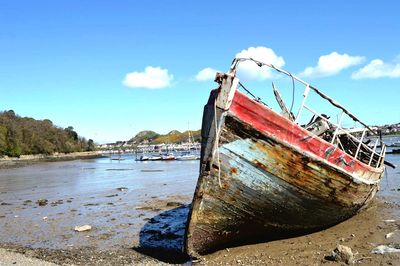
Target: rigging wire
point(241, 85)
point(258, 99)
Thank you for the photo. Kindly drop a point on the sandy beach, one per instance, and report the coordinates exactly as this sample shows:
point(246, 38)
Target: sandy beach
point(137, 213)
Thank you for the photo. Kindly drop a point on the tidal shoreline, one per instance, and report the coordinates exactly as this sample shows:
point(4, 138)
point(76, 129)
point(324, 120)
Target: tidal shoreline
point(23, 160)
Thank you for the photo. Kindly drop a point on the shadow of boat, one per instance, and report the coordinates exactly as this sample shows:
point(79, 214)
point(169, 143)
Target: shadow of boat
point(162, 237)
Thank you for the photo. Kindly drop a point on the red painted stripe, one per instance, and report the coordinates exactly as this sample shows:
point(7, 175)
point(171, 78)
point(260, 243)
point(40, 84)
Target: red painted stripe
point(272, 124)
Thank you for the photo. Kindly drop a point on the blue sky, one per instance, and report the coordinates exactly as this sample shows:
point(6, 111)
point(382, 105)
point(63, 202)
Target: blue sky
point(83, 63)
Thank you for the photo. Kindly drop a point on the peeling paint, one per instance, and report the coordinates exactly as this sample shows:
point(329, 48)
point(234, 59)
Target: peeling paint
point(276, 179)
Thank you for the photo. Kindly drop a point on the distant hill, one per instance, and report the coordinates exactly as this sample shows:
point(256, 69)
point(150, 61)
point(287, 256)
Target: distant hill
point(25, 135)
point(174, 136)
point(144, 136)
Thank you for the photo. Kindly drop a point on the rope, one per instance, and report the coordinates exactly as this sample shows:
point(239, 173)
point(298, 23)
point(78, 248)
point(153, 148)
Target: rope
point(217, 143)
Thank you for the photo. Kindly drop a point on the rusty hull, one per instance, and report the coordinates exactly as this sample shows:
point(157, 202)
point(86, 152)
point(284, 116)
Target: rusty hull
point(273, 179)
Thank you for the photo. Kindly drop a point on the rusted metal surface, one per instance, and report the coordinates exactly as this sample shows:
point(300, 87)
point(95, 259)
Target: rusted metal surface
point(273, 178)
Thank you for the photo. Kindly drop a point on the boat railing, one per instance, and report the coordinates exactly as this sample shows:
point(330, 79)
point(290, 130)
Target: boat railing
point(356, 137)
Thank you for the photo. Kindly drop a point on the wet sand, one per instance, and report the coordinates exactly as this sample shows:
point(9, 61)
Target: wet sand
point(361, 233)
point(139, 217)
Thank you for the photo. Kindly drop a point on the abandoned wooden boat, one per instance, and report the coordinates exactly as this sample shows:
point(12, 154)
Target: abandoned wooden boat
point(264, 176)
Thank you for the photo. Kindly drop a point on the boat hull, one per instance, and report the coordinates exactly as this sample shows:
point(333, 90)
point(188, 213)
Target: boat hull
point(263, 177)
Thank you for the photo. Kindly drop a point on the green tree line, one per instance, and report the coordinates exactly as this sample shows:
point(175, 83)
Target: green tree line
point(25, 135)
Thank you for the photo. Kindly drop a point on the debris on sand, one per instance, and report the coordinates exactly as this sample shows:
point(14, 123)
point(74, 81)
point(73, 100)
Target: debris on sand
point(389, 221)
point(26, 202)
point(122, 189)
point(42, 202)
point(389, 235)
point(382, 249)
point(57, 202)
point(341, 254)
point(83, 228)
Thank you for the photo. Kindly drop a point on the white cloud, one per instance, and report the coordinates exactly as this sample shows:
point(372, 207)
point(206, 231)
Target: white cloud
point(378, 69)
point(151, 78)
point(332, 64)
point(206, 74)
point(250, 70)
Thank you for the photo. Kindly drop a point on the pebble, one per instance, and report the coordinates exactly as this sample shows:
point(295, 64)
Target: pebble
point(42, 202)
point(83, 228)
point(389, 235)
point(341, 254)
point(389, 221)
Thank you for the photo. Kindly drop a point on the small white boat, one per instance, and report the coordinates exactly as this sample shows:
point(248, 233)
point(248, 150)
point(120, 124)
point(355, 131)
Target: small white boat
point(187, 157)
point(155, 158)
point(143, 158)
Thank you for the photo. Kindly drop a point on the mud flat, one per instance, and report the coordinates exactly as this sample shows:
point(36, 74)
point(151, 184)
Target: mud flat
point(159, 239)
point(138, 217)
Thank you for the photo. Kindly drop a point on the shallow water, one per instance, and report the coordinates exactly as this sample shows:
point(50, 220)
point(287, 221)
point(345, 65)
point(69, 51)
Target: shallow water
point(82, 177)
point(390, 184)
point(115, 197)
